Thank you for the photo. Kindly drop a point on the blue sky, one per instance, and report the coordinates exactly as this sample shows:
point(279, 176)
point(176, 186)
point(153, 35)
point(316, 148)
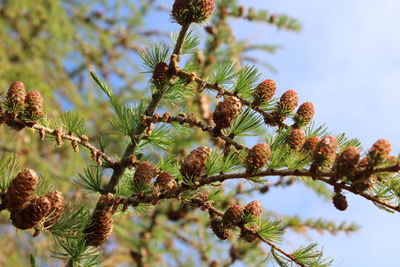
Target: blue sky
point(347, 62)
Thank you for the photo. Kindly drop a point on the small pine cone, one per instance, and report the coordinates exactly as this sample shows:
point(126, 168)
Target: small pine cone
point(254, 208)
point(233, 216)
point(165, 181)
point(21, 191)
point(381, 149)
point(226, 112)
point(311, 144)
point(194, 165)
point(16, 93)
point(100, 227)
point(363, 183)
point(265, 90)
point(258, 157)
point(38, 209)
point(363, 164)
point(219, 230)
point(296, 139)
point(348, 159)
point(34, 103)
point(305, 113)
point(189, 11)
point(326, 148)
point(160, 74)
point(144, 172)
point(340, 202)
point(57, 207)
point(288, 101)
point(250, 234)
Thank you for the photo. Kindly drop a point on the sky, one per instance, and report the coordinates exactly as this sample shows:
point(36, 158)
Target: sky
point(347, 62)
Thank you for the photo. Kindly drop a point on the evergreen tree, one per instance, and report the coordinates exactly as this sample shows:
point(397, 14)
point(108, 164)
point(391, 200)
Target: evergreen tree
point(93, 175)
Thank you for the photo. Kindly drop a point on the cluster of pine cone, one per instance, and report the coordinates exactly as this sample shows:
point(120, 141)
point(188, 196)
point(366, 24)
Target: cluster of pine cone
point(237, 216)
point(22, 105)
point(26, 209)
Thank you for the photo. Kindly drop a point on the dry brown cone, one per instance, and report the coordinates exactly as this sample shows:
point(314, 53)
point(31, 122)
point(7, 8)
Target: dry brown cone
point(310, 144)
point(226, 112)
point(219, 230)
point(160, 73)
point(347, 160)
point(326, 148)
point(194, 165)
point(381, 149)
point(31, 216)
point(254, 208)
point(296, 139)
point(165, 181)
point(250, 234)
point(100, 227)
point(57, 207)
point(233, 216)
point(145, 171)
point(21, 191)
point(340, 202)
point(258, 157)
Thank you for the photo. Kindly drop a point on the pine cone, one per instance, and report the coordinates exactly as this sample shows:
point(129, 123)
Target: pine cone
point(311, 144)
point(165, 181)
point(381, 149)
point(254, 208)
point(34, 104)
point(363, 164)
point(21, 191)
point(38, 209)
point(258, 157)
point(194, 165)
point(326, 148)
point(144, 172)
point(189, 11)
point(57, 207)
point(348, 159)
point(160, 74)
point(226, 112)
point(233, 216)
point(265, 91)
point(304, 114)
point(16, 93)
point(288, 101)
point(296, 139)
point(340, 202)
point(250, 234)
point(100, 227)
point(219, 230)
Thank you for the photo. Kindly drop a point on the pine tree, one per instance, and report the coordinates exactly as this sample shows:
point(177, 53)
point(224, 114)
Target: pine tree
point(154, 160)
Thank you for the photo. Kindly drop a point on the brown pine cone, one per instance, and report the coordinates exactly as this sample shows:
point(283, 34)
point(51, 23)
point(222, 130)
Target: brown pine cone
point(265, 91)
point(326, 148)
point(165, 181)
point(100, 227)
point(304, 114)
point(219, 230)
point(194, 165)
point(381, 149)
point(232, 216)
point(226, 112)
point(288, 101)
point(340, 202)
point(16, 93)
point(258, 157)
point(254, 208)
point(347, 160)
point(144, 172)
point(296, 139)
point(21, 191)
point(311, 144)
point(38, 209)
point(57, 207)
point(192, 11)
point(250, 234)
point(34, 104)
point(160, 73)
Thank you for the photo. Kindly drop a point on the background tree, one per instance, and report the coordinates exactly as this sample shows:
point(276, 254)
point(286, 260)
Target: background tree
point(107, 37)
